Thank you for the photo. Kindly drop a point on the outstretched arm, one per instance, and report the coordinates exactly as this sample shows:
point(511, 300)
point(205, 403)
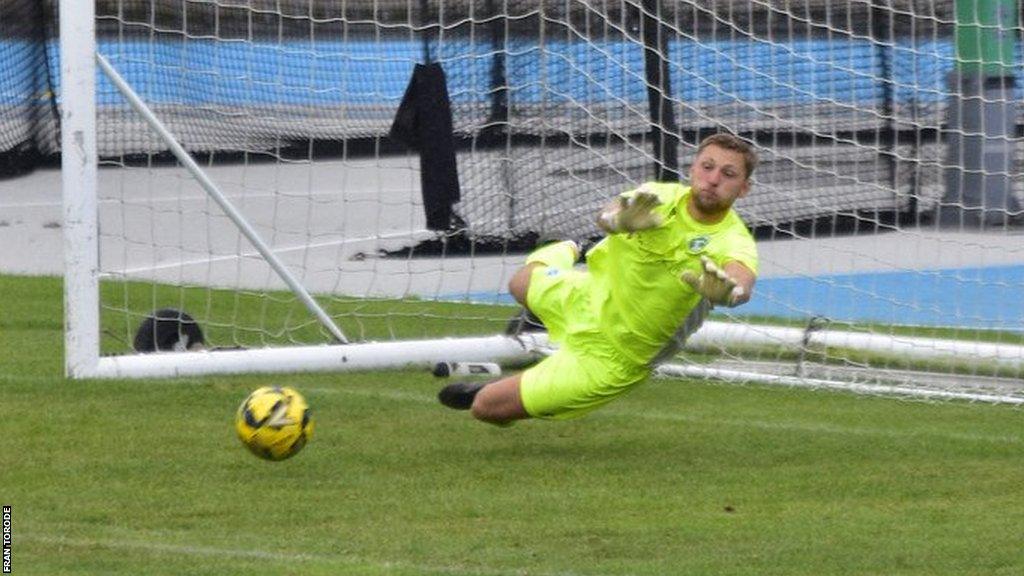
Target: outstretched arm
point(731, 285)
point(744, 279)
point(630, 213)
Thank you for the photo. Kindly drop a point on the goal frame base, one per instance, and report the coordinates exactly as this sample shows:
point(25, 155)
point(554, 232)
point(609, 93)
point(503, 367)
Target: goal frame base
point(409, 354)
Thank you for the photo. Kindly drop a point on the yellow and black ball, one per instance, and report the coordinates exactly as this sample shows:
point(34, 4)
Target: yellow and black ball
point(274, 422)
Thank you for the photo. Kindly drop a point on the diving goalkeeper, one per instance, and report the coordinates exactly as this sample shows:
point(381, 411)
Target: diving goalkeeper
point(671, 253)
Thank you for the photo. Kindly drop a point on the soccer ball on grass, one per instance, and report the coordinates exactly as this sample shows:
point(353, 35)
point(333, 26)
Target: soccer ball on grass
point(274, 422)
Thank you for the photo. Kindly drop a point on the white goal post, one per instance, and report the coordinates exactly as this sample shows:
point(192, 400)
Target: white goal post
point(79, 182)
point(233, 160)
point(82, 271)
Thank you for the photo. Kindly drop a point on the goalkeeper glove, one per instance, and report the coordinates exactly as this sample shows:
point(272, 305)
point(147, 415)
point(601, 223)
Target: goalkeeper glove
point(713, 283)
point(633, 213)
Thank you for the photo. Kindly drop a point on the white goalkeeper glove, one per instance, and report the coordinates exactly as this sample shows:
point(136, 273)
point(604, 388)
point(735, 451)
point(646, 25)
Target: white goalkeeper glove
point(633, 213)
point(713, 283)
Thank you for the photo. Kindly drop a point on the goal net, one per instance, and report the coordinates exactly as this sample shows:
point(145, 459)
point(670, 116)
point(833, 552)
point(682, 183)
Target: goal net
point(305, 176)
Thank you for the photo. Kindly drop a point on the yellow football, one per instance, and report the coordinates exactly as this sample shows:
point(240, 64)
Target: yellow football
point(274, 422)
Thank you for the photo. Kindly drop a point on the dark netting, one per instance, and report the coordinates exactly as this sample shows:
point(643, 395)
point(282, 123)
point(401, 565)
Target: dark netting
point(552, 101)
point(29, 118)
point(822, 87)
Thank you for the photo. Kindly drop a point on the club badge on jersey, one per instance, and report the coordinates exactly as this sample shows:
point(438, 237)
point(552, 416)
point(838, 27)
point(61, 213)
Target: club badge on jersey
point(698, 244)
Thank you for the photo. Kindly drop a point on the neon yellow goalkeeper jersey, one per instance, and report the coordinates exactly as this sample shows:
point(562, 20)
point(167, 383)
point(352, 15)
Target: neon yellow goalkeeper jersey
point(636, 289)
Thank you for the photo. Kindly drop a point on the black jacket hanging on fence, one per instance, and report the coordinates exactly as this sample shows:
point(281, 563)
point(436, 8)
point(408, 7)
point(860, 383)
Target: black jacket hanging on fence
point(424, 123)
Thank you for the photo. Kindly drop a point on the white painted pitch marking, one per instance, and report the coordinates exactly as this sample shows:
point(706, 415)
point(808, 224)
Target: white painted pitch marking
point(252, 254)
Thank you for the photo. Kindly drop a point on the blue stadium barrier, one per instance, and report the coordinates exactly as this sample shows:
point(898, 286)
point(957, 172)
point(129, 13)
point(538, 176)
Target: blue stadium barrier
point(197, 71)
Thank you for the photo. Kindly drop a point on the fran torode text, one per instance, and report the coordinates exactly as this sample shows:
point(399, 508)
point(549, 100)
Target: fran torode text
point(7, 540)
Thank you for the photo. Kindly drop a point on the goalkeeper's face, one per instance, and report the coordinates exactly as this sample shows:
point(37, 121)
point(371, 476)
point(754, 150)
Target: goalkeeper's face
point(718, 178)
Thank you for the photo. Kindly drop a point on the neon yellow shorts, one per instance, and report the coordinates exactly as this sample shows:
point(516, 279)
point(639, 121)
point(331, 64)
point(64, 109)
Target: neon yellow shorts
point(586, 371)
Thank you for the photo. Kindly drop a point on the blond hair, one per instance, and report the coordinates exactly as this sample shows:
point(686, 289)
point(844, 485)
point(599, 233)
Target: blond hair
point(734, 143)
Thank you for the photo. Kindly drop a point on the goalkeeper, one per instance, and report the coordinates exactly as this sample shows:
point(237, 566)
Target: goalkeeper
point(671, 253)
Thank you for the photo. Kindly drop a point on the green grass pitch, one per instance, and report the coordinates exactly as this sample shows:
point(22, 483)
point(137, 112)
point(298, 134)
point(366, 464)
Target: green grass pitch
point(679, 477)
